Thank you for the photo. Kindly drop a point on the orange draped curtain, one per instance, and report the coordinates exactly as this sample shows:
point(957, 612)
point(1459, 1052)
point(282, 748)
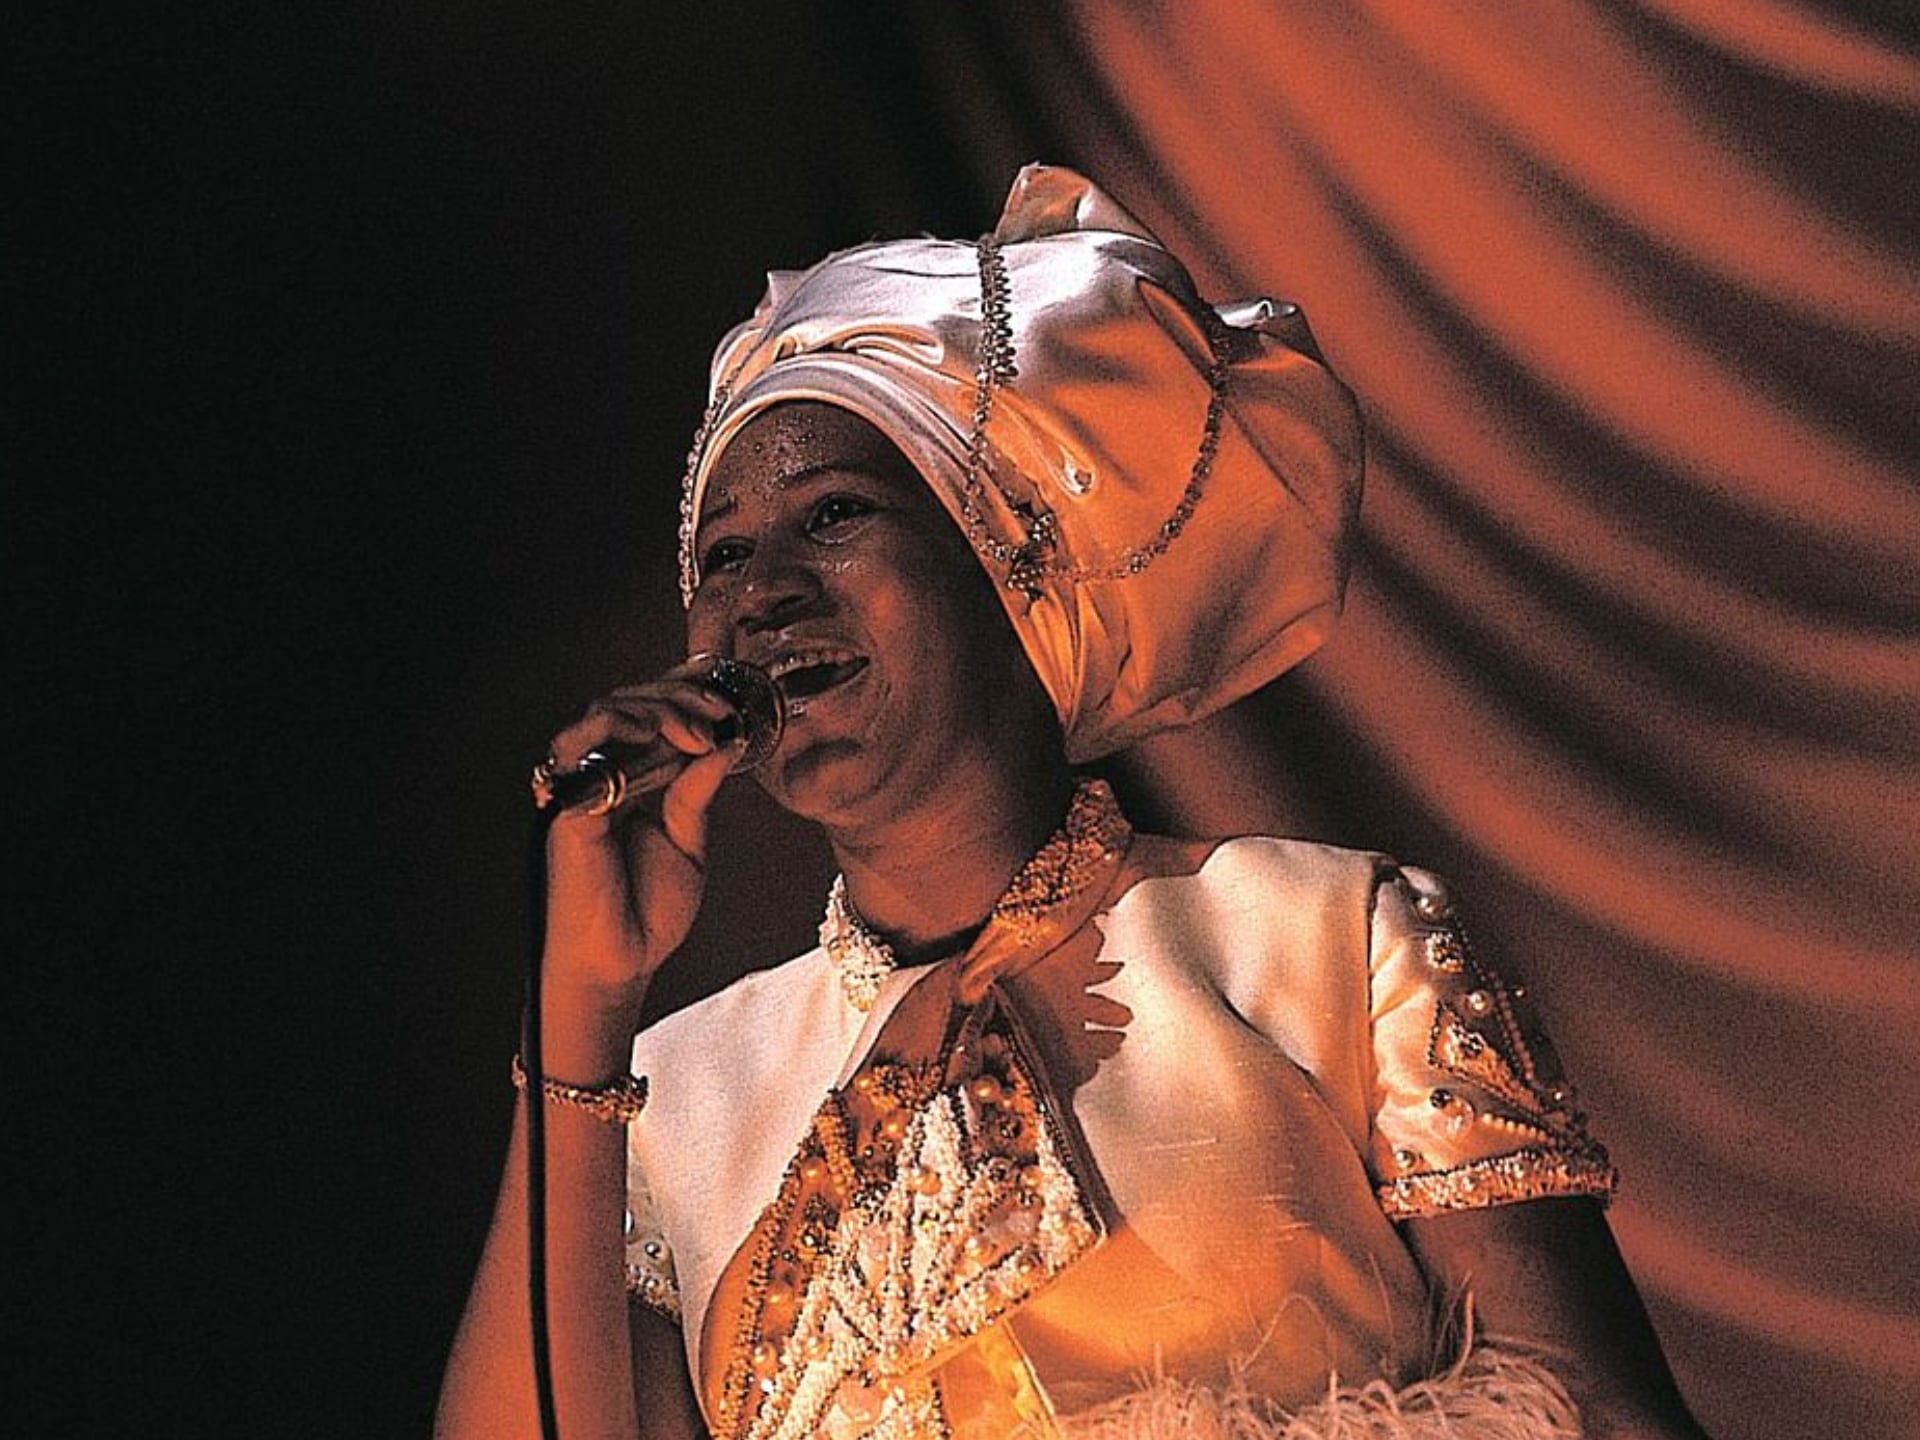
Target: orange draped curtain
point(1629, 293)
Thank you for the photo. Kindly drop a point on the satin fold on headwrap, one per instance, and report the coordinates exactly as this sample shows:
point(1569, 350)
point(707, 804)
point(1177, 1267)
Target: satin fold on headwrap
point(1099, 426)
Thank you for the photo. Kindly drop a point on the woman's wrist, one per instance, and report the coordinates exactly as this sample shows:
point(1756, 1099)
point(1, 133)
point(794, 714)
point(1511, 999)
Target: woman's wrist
point(584, 1040)
point(617, 1104)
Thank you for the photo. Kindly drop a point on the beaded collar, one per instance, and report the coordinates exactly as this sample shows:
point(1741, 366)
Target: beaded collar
point(1093, 832)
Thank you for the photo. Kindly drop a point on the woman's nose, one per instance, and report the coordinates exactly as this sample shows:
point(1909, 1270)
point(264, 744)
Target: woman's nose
point(778, 586)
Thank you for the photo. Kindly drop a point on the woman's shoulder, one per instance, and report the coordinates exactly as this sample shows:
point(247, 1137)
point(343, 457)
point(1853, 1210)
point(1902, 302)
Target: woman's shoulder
point(1275, 926)
point(1260, 872)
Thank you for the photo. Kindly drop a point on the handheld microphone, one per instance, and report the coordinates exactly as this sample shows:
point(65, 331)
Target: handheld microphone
point(604, 778)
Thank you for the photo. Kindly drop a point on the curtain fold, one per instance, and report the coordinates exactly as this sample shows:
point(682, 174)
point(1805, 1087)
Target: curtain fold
point(1628, 289)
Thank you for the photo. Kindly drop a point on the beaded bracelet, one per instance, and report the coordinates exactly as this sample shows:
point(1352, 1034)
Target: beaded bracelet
point(617, 1104)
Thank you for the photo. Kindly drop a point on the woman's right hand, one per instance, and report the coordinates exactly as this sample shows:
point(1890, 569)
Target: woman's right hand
point(623, 888)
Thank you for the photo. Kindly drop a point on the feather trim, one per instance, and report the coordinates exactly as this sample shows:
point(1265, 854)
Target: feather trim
point(1491, 1394)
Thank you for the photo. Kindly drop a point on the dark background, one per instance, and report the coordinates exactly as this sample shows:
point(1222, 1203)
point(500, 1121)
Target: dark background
point(355, 350)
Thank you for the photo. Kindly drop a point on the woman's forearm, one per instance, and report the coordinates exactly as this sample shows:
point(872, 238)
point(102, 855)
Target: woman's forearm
point(623, 888)
point(488, 1392)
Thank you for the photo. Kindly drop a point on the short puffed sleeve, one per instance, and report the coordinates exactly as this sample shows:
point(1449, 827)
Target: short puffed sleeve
point(650, 1275)
point(1469, 1106)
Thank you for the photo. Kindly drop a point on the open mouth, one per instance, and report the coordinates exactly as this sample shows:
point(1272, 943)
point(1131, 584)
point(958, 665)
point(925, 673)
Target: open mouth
point(804, 674)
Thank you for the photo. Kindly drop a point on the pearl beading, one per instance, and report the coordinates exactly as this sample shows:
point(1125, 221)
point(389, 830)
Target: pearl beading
point(862, 958)
point(1477, 1041)
point(918, 1211)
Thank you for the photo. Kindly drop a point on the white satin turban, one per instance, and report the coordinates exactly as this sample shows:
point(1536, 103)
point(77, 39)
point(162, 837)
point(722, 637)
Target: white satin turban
point(1099, 423)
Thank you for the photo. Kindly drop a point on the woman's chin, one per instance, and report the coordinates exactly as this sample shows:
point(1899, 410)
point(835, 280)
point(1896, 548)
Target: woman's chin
point(820, 779)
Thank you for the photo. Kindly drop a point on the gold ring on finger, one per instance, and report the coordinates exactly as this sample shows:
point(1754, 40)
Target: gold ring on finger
point(541, 782)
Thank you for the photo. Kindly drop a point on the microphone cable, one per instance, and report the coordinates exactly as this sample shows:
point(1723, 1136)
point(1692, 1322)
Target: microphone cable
point(533, 1063)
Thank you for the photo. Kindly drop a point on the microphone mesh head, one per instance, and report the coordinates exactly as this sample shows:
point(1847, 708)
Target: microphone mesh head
point(755, 699)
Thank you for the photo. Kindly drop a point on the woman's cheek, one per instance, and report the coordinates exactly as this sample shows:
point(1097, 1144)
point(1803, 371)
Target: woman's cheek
point(706, 620)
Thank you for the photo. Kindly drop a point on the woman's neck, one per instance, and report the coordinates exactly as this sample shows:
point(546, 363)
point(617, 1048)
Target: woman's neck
point(927, 880)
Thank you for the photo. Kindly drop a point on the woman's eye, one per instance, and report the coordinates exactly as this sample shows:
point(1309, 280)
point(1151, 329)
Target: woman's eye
point(725, 555)
point(838, 510)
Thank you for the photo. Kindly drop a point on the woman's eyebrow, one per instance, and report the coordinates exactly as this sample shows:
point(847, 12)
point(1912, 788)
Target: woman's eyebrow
point(792, 480)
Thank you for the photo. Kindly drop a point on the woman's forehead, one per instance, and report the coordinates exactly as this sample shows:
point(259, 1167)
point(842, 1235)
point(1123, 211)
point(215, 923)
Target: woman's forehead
point(785, 445)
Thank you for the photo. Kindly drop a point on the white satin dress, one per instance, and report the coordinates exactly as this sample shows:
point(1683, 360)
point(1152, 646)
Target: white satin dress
point(1130, 1168)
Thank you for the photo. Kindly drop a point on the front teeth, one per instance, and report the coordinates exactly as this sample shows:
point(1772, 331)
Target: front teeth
point(806, 660)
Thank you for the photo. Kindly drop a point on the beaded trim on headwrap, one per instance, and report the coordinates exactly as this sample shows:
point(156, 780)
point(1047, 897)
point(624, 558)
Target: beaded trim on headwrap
point(689, 520)
point(1035, 560)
